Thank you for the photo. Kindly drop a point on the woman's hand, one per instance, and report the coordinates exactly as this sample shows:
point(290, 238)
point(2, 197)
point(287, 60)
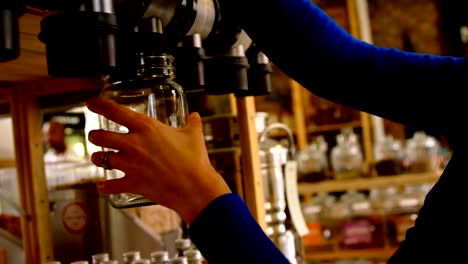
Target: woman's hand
point(165, 164)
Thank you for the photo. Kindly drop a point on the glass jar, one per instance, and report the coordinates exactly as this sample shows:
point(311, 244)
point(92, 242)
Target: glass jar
point(384, 201)
point(346, 157)
point(312, 162)
point(99, 258)
point(159, 257)
point(321, 236)
point(422, 153)
point(149, 89)
point(130, 256)
point(389, 156)
point(405, 213)
point(363, 229)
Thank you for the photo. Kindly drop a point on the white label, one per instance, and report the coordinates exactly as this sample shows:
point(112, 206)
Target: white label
point(292, 198)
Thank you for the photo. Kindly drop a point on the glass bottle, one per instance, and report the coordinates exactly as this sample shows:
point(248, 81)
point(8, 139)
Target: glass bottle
point(159, 257)
point(346, 157)
point(312, 162)
point(178, 260)
point(99, 258)
point(389, 156)
point(141, 261)
point(194, 256)
point(422, 153)
point(130, 256)
point(150, 89)
point(181, 245)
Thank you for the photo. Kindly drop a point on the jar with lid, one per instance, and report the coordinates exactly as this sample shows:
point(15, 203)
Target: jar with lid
point(320, 237)
point(147, 88)
point(181, 245)
point(193, 256)
point(130, 256)
point(179, 260)
point(335, 218)
point(422, 153)
point(389, 156)
point(405, 213)
point(363, 229)
point(384, 200)
point(347, 157)
point(312, 162)
point(159, 257)
point(99, 258)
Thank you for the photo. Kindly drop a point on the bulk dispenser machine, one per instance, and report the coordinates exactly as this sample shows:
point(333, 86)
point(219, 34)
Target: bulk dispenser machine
point(212, 54)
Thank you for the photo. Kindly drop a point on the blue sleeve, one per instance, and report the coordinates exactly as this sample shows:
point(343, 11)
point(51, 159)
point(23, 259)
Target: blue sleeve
point(225, 232)
point(423, 90)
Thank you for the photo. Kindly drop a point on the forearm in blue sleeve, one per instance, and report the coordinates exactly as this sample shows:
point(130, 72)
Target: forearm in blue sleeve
point(226, 232)
point(304, 42)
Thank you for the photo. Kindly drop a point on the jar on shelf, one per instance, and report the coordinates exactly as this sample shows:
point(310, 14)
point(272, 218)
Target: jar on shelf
point(422, 152)
point(405, 213)
point(363, 229)
point(346, 157)
point(316, 215)
point(148, 88)
point(389, 156)
point(384, 201)
point(312, 162)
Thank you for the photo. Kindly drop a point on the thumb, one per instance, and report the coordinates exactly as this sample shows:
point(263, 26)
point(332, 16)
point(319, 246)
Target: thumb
point(194, 122)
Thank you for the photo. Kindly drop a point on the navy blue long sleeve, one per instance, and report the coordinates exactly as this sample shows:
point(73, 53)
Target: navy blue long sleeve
point(298, 37)
point(419, 90)
point(225, 233)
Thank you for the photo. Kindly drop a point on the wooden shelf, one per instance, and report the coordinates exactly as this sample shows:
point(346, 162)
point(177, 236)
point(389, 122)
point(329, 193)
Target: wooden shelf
point(344, 254)
point(7, 163)
point(366, 183)
point(333, 127)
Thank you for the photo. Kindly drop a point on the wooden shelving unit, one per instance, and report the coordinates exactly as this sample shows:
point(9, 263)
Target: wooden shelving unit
point(7, 163)
point(367, 183)
point(350, 254)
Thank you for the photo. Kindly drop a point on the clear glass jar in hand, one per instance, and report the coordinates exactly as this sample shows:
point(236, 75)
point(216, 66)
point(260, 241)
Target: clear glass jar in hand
point(148, 88)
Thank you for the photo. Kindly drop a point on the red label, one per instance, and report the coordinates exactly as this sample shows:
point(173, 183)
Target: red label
point(75, 217)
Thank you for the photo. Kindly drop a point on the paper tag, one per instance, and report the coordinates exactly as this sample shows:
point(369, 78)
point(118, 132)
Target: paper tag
point(292, 198)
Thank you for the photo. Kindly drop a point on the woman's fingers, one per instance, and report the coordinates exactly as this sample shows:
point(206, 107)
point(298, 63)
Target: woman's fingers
point(108, 139)
point(110, 160)
point(117, 113)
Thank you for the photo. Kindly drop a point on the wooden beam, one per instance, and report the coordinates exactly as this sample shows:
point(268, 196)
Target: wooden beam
point(252, 178)
point(299, 114)
point(36, 227)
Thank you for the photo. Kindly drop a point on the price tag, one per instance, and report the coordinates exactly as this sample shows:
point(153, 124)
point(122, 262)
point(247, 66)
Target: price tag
point(292, 198)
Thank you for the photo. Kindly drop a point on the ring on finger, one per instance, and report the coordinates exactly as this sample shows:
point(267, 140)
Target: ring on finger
point(105, 160)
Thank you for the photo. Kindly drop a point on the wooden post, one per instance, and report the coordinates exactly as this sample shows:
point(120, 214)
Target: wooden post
point(299, 114)
point(252, 178)
point(357, 31)
point(36, 227)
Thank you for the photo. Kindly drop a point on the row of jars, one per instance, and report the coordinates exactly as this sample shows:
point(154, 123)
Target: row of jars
point(186, 253)
point(416, 155)
point(376, 218)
